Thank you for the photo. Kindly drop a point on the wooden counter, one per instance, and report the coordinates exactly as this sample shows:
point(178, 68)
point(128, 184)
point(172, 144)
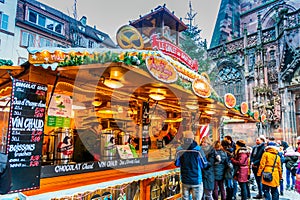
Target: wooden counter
point(72, 181)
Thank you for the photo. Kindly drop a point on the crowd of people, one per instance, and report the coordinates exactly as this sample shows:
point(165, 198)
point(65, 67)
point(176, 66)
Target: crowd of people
point(226, 168)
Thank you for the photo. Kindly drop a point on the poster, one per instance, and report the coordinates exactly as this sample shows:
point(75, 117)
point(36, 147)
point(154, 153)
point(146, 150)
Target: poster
point(60, 106)
point(25, 133)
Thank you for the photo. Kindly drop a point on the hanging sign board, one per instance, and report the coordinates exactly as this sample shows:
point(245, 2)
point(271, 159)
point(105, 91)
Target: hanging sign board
point(25, 133)
point(161, 69)
point(172, 50)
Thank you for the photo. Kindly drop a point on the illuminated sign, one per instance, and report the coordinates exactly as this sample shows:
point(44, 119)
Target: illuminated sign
point(161, 69)
point(172, 50)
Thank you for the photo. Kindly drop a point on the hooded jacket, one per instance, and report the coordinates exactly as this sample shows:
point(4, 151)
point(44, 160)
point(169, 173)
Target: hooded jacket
point(241, 162)
point(266, 165)
point(190, 163)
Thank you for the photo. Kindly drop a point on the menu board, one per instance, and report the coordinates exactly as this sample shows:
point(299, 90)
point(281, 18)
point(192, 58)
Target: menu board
point(25, 133)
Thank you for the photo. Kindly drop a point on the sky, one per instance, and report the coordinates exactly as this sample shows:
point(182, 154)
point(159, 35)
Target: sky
point(109, 15)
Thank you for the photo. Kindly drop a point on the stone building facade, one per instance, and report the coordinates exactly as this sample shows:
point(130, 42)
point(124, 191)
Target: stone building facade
point(255, 46)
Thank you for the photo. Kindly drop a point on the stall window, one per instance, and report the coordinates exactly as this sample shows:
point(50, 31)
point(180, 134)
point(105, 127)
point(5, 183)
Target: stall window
point(27, 39)
point(4, 21)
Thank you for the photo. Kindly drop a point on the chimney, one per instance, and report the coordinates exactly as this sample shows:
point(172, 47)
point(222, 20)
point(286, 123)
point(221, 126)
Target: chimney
point(83, 20)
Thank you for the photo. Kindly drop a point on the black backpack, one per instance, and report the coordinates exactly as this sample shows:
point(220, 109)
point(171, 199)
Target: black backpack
point(5, 174)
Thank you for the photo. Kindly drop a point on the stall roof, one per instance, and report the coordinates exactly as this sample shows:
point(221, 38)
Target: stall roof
point(90, 65)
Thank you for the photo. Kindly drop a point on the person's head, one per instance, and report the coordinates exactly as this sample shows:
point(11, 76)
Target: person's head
point(225, 144)
point(206, 141)
point(240, 143)
point(273, 145)
point(188, 136)
point(272, 139)
point(298, 140)
point(262, 138)
point(257, 141)
point(228, 138)
point(217, 145)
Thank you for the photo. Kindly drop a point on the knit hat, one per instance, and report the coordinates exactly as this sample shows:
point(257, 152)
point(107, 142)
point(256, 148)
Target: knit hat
point(272, 144)
point(188, 134)
point(262, 137)
point(241, 143)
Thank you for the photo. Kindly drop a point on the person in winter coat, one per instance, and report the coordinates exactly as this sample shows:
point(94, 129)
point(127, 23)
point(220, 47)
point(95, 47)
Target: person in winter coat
point(297, 186)
point(290, 162)
point(191, 159)
point(229, 171)
point(219, 169)
point(270, 156)
point(5, 174)
point(298, 144)
point(282, 160)
point(241, 162)
point(255, 157)
point(208, 173)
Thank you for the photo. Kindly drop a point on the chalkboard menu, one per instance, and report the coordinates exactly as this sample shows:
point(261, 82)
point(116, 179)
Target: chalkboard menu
point(25, 133)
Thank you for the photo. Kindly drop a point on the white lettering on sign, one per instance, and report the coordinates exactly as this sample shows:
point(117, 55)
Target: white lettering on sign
point(25, 85)
point(112, 163)
point(67, 168)
point(87, 166)
point(40, 87)
point(28, 124)
point(26, 102)
point(21, 150)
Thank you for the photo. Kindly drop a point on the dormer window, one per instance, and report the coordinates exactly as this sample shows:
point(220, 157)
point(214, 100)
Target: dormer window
point(81, 28)
point(45, 22)
point(101, 37)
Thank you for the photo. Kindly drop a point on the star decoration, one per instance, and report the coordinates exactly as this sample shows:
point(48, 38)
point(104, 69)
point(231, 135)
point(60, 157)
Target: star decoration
point(34, 57)
point(46, 59)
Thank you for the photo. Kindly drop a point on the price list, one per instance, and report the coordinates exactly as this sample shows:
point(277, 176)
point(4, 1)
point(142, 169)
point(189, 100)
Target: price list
point(25, 133)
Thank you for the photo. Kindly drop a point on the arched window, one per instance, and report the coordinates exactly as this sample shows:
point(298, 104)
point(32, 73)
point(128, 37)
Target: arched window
point(230, 80)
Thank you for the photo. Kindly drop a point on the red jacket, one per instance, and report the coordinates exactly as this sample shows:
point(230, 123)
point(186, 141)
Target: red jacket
point(241, 164)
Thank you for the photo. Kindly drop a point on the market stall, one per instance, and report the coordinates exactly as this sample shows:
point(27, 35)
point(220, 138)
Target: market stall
point(143, 101)
point(105, 123)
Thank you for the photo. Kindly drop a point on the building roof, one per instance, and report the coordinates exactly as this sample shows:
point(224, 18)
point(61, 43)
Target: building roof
point(149, 20)
point(90, 32)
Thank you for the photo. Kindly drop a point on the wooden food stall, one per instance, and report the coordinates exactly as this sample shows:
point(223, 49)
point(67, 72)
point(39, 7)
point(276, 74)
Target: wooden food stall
point(142, 99)
point(105, 123)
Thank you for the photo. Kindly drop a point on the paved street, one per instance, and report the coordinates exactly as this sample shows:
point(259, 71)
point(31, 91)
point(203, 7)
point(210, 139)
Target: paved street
point(287, 195)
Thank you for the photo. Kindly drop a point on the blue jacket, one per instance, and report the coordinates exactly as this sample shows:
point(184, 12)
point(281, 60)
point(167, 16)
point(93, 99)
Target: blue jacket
point(219, 167)
point(190, 162)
